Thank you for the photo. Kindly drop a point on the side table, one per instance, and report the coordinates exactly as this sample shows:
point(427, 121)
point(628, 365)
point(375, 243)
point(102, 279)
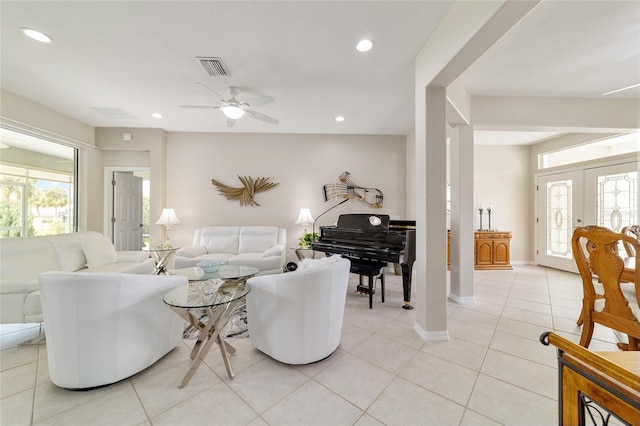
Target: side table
point(228, 287)
point(161, 257)
point(304, 252)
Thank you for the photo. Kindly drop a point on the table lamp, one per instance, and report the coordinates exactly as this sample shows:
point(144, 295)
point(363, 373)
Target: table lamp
point(167, 218)
point(305, 219)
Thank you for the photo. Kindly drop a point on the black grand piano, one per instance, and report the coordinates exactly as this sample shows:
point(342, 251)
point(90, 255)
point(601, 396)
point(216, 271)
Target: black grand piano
point(370, 241)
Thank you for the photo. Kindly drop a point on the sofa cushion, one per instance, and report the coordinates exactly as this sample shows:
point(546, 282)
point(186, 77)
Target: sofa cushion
point(257, 239)
point(274, 251)
point(256, 260)
point(18, 256)
point(189, 262)
point(145, 267)
point(220, 239)
point(69, 252)
point(99, 251)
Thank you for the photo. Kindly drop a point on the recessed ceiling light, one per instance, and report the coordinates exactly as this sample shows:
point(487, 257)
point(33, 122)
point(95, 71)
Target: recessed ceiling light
point(364, 45)
point(157, 115)
point(36, 35)
point(621, 89)
point(339, 118)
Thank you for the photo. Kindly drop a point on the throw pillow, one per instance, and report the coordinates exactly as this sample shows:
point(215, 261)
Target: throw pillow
point(273, 251)
point(99, 251)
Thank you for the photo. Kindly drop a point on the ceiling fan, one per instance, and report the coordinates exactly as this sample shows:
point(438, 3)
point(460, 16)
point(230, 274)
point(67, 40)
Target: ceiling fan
point(233, 109)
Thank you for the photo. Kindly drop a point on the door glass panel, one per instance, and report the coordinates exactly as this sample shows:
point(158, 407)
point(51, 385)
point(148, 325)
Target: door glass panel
point(616, 202)
point(559, 197)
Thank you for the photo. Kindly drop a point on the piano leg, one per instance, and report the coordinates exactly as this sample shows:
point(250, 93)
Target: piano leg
point(382, 283)
point(407, 271)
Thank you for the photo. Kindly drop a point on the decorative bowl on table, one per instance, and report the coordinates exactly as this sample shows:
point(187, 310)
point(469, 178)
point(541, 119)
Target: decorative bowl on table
point(211, 266)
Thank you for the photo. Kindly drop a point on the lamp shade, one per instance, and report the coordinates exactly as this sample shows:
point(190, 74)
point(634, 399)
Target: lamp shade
point(168, 218)
point(304, 218)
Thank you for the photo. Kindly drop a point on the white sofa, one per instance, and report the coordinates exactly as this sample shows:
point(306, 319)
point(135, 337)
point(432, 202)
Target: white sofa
point(262, 247)
point(24, 259)
point(105, 327)
point(296, 318)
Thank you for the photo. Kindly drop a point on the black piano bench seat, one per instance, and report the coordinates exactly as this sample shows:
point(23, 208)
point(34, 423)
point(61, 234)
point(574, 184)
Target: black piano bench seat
point(370, 270)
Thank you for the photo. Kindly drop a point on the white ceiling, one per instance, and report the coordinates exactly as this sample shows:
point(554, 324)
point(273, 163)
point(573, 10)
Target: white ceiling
point(139, 57)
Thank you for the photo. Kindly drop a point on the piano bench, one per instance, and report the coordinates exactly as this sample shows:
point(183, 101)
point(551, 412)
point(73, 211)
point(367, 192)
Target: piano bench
point(370, 270)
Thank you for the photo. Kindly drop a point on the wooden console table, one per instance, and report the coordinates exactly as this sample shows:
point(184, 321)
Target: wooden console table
point(491, 250)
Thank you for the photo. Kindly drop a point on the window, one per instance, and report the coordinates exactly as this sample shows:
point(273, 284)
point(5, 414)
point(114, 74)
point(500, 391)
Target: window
point(37, 179)
point(621, 144)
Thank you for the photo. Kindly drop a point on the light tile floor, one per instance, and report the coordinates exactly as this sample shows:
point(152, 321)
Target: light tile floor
point(493, 370)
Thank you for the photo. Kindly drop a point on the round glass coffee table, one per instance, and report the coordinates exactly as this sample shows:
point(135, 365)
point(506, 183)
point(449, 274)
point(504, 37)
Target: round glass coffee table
point(217, 293)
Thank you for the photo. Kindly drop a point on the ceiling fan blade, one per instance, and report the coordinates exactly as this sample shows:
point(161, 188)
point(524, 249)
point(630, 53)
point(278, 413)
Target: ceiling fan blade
point(262, 117)
point(210, 89)
point(231, 122)
point(200, 106)
point(260, 100)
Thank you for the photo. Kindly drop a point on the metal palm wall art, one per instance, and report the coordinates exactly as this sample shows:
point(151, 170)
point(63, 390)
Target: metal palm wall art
point(244, 194)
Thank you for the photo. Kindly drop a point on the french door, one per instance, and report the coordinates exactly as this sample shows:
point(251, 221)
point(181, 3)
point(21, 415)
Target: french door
point(604, 196)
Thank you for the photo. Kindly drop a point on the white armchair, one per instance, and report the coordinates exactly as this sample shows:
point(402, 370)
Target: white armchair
point(104, 327)
point(296, 318)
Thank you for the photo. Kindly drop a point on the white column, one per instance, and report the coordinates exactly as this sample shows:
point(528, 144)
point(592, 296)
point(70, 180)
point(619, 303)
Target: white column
point(431, 217)
point(462, 214)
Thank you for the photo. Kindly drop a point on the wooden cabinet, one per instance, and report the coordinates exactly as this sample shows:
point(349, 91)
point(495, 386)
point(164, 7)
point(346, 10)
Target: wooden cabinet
point(492, 250)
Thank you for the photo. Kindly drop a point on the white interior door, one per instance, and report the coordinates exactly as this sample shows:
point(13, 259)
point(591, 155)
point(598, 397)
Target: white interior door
point(559, 211)
point(127, 211)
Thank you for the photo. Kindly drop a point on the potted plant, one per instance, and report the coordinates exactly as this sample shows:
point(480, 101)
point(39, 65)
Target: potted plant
point(306, 240)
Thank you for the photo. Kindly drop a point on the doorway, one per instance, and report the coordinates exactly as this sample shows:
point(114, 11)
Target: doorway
point(127, 207)
point(600, 195)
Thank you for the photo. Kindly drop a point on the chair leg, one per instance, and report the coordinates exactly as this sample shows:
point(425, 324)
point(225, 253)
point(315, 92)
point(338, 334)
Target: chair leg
point(587, 333)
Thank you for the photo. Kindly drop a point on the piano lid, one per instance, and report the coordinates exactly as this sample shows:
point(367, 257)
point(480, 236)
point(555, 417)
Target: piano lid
point(364, 222)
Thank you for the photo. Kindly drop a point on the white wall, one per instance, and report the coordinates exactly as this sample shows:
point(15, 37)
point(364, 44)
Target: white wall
point(300, 164)
point(503, 177)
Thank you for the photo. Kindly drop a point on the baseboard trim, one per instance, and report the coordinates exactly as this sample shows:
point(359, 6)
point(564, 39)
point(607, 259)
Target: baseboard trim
point(467, 300)
point(431, 336)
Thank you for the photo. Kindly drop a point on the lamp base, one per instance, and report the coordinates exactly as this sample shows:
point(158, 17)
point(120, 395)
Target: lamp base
point(165, 245)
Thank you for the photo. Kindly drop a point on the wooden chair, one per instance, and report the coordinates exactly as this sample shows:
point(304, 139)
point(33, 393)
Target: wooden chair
point(595, 250)
point(634, 232)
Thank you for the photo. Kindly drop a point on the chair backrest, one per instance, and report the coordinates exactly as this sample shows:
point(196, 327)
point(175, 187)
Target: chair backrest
point(595, 250)
point(634, 232)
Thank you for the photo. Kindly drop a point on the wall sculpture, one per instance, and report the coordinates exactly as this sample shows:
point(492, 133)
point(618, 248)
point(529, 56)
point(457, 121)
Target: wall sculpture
point(346, 188)
point(250, 186)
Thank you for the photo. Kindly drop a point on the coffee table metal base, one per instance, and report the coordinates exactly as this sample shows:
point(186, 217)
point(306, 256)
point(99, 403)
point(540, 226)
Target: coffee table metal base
point(209, 333)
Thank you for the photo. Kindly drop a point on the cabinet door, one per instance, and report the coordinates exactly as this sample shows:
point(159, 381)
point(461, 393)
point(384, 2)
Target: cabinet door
point(501, 253)
point(484, 251)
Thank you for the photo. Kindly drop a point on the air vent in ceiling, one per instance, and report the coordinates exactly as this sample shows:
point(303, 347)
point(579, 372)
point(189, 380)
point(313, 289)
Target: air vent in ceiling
point(114, 112)
point(214, 66)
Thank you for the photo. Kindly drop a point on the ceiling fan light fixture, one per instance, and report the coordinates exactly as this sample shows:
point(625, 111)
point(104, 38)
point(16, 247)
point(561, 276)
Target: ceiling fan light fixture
point(233, 112)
